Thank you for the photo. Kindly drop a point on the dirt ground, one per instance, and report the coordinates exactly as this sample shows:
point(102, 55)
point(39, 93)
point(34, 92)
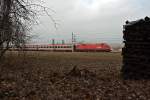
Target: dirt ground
point(67, 76)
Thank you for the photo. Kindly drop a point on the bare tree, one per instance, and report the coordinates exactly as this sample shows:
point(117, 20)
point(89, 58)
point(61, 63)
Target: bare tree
point(16, 18)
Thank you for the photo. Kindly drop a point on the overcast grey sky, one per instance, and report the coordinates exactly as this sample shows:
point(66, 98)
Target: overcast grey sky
point(90, 20)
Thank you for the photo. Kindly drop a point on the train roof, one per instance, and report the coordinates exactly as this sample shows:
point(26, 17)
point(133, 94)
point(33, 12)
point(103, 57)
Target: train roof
point(92, 44)
point(50, 44)
point(59, 44)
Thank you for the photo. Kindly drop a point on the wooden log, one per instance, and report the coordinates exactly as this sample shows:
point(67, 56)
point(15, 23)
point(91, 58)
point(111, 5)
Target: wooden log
point(136, 51)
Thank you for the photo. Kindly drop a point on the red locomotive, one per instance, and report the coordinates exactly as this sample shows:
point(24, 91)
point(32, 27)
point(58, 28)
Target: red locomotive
point(93, 47)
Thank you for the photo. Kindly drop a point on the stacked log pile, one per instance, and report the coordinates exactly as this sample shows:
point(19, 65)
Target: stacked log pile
point(136, 51)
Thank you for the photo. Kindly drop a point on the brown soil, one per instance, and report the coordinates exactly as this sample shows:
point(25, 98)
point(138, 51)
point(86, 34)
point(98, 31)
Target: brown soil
point(67, 76)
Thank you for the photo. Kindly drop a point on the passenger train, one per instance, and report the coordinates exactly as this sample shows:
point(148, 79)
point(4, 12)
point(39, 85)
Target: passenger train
point(68, 47)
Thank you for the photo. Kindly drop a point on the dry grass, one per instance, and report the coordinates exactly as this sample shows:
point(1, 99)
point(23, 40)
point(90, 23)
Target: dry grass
point(46, 76)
